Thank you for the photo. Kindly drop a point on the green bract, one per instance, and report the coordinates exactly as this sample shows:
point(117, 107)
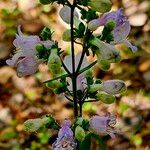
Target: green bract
point(33, 125)
point(105, 98)
point(54, 63)
point(79, 133)
point(66, 35)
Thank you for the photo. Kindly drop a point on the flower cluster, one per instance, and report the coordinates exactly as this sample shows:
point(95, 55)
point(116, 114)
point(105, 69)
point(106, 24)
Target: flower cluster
point(25, 59)
point(73, 76)
point(65, 140)
point(103, 124)
point(121, 30)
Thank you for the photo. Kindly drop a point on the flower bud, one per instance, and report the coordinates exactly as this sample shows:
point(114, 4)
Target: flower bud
point(39, 48)
point(95, 87)
point(106, 51)
point(33, 125)
point(103, 64)
point(105, 98)
point(54, 63)
point(46, 33)
point(114, 86)
point(79, 133)
point(100, 5)
point(67, 35)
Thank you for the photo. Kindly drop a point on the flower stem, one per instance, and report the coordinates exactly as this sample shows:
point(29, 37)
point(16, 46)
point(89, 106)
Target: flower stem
point(74, 75)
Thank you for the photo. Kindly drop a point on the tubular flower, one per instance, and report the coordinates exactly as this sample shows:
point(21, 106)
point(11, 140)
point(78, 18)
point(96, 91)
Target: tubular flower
point(25, 60)
point(65, 14)
point(81, 79)
point(65, 140)
point(103, 124)
point(105, 53)
point(110, 86)
point(121, 30)
point(114, 86)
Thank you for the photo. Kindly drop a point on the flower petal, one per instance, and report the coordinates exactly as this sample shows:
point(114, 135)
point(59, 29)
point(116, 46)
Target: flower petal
point(65, 14)
point(14, 59)
point(27, 66)
point(133, 48)
point(102, 124)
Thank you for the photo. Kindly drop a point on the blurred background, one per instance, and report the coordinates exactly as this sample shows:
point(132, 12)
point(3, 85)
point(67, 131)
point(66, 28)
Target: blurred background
point(24, 98)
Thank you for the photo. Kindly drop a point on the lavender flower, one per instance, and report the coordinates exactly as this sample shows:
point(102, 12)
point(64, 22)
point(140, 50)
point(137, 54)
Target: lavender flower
point(65, 14)
point(103, 124)
point(81, 79)
point(25, 60)
point(65, 140)
point(121, 29)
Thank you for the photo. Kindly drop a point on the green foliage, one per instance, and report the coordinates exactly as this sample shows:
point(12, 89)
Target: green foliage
point(51, 123)
point(46, 33)
point(42, 52)
point(107, 32)
point(44, 137)
point(79, 133)
point(82, 2)
point(105, 98)
point(82, 122)
point(86, 144)
point(88, 14)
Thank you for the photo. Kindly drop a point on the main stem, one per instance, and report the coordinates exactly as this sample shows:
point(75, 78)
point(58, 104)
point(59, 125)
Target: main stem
point(74, 75)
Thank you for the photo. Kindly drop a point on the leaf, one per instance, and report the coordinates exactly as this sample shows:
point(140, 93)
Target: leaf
point(100, 141)
point(59, 77)
point(86, 144)
point(88, 67)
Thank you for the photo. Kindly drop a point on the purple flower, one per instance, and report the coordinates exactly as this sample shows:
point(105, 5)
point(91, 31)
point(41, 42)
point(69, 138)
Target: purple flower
point(81, 79)
point(103, 124)
point(121, 30)
point(25, 59)
point(65, 140)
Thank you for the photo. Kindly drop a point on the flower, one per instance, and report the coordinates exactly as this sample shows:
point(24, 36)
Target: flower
point(105, 53)
point(25, 60)
point(65, 14)
point(81, 79)
point(121, 30)
point(65, 140)
point(109, 86)
point(103, 124)
point(114, 86)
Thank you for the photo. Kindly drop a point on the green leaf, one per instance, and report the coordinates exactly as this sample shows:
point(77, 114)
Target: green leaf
point(88, 67)
point(81, 28)
point(86, 144)
point(59, 77)
point(46, 33)
point(99, 140)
